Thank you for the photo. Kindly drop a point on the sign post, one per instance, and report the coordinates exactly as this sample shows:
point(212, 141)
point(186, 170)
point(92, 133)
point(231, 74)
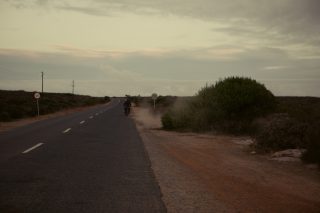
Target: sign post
point(154, 97)
point(37, 96)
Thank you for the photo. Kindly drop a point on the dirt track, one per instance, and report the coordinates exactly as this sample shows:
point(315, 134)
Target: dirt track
point(206, 173)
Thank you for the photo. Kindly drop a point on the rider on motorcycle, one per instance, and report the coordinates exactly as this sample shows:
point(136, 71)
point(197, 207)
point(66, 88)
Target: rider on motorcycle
point(127, 106)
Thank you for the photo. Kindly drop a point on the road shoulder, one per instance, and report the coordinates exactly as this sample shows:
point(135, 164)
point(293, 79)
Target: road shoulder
point(205, 173)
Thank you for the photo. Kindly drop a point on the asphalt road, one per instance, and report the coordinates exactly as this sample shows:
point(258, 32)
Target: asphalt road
point(89, 161)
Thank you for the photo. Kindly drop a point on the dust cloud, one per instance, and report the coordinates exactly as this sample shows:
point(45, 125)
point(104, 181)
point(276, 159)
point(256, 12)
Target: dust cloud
point(148, 118)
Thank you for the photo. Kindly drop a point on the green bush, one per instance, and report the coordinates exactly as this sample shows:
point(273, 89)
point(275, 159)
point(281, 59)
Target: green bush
point(243, 98)
point(312, 155)
point(279, 132)
point(305, 111)
point(167, 121)
point(230, 105)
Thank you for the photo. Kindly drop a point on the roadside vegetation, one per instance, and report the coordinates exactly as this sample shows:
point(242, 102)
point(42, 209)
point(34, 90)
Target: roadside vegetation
point(20, 104)
point(228, 106)
point(238, 105)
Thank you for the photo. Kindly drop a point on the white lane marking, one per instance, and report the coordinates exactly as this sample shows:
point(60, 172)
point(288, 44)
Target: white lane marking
point(97, 113)
point(82, 122)
point(67, 130)
point(91, 117)
point(32, 148)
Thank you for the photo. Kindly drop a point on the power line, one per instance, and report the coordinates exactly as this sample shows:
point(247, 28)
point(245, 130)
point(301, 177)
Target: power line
point(42, 82)
point(73, 87)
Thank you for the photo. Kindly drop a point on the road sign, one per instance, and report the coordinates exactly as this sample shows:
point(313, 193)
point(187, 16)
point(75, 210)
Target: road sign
point(154, 96)
point(36, 95)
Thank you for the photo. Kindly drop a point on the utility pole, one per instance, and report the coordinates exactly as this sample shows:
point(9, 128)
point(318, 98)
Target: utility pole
point(42, 82)
point(73, 87)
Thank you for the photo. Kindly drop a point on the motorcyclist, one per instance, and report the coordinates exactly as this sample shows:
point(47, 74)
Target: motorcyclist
point(127, 106)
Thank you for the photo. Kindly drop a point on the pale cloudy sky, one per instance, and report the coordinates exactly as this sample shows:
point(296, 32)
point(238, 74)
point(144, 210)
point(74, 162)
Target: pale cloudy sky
point(118, 47)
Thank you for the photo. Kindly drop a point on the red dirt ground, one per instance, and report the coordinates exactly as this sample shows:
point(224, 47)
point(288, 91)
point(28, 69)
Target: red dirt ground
point(210, 173)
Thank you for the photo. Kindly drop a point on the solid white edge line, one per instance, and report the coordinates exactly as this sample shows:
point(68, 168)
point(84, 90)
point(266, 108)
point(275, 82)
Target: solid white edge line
point(67, 130)
point(32, 148)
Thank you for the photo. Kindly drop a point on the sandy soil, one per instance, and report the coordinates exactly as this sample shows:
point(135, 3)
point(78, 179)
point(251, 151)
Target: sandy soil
point(208, 173)
point(6, 126)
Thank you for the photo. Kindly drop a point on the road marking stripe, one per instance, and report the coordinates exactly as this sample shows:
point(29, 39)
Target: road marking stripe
point(97, 113)
point(82, 122)
point(32, 148)
point(91, 117)
point(67, 130)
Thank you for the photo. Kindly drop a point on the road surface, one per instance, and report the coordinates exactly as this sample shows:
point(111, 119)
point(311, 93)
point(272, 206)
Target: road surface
point(89, 161)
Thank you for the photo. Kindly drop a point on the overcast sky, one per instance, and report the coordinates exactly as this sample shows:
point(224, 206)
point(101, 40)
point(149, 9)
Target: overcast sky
point(171, 47)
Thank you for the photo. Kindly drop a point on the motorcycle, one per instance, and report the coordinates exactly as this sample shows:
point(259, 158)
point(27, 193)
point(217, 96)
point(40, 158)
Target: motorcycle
point(127, 111)
point(127, 106)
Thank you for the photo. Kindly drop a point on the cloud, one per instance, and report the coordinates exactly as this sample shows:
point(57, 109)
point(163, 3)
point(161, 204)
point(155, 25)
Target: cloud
point(220, 52)
point(284, 22)
point(276, 67)
point(93, 53)
point(245, 11)
point(85, 10)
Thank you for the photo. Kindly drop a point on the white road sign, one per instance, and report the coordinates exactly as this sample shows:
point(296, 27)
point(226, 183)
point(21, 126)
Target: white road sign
point(154, 96)
point(36, 95)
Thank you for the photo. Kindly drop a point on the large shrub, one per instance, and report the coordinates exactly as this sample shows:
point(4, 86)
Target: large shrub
point(229, 105)
point(306, 112)
point(312, 155)
point(280, 131)
point(242, 98)
point(167, 121)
